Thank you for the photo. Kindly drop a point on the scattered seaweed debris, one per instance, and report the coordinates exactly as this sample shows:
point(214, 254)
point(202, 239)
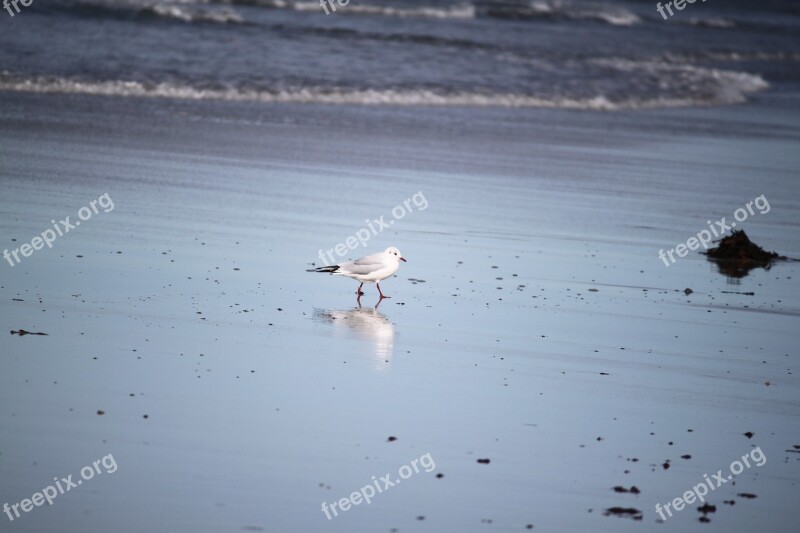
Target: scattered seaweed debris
point(737, 255)
point(742, 293)
point(22, 332)
point(705, 509)
point(633, 490)
point(624, 512)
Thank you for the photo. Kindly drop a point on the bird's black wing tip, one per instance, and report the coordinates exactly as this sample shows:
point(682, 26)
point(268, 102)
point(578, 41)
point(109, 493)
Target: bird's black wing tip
point(324, 269)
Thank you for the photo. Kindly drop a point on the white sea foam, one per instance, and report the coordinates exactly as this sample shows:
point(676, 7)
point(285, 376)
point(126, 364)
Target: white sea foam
point(693, 84)
point(186, 14)
point(457, 11)
point(722, 87)
point(569, 9)
point(709, 22)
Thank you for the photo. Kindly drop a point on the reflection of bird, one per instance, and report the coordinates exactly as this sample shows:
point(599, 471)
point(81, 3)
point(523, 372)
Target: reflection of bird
point(370, 269)
point(368, 324)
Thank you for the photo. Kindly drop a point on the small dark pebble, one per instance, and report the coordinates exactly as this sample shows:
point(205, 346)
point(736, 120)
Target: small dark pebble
point(483, 461)
point(749, 434)
point(747, 495)
point(391, 439)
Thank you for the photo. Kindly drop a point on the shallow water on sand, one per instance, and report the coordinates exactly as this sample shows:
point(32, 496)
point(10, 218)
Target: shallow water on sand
point(534, 324)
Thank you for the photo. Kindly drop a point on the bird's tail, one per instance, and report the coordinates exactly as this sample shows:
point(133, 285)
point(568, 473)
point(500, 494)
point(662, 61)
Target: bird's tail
point(327, 269)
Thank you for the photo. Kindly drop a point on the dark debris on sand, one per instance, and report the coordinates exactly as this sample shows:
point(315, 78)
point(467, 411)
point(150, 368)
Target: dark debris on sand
point(22, 332)
point(705, 510)
point(737, 255)
point(628, 512)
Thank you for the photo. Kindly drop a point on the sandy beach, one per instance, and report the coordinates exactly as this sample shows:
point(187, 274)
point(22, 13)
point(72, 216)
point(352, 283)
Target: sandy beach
point(538, 366)
point(535, 327)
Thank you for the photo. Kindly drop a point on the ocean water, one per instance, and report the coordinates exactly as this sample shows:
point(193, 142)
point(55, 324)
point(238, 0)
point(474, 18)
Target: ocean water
point(574, 54)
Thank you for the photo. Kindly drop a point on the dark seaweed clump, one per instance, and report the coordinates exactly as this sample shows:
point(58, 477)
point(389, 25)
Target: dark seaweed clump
point(737, 255)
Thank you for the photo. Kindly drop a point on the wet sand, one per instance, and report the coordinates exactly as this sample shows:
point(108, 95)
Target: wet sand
point(534, 324)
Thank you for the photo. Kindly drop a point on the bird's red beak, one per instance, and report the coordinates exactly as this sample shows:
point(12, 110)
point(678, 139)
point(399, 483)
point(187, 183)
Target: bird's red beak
point(403, 260)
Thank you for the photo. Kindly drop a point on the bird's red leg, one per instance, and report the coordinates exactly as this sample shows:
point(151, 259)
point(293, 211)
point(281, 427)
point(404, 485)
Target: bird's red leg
point(358, 291)
point(379, 291)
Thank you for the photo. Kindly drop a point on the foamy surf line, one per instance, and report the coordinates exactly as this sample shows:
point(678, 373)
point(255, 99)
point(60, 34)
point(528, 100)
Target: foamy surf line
point(366, 97)
point(534, 10)
point(456, 11)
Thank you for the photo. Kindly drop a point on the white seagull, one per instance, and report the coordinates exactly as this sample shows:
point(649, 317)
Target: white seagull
point(370, 269)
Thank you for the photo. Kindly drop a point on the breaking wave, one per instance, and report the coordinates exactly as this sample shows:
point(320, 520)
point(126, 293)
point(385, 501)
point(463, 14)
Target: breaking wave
point(457, 11)
point(177, 10)
point(220, 16)
point(716, 87)
point(566, 10)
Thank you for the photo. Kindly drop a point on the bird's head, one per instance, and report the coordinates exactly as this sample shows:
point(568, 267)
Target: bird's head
point(395, 253)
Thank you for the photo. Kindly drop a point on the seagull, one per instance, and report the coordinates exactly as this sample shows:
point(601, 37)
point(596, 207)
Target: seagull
point(370, 269)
